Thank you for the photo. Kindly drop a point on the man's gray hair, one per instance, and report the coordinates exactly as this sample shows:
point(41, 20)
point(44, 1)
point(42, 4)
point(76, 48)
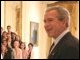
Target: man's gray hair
point(63, 13)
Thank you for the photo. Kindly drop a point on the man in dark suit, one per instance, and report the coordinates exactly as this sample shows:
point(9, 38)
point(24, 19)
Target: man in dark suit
point(13, 35)
point(66, 46)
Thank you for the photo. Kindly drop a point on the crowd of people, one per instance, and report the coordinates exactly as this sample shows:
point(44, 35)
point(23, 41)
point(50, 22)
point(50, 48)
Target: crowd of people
point(12, 46)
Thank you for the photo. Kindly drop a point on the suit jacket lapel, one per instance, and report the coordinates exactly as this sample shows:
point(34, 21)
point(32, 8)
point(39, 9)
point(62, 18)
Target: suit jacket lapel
point(58, 47)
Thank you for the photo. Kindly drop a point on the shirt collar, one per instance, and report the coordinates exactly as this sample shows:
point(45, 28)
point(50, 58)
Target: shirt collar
point(60, 36)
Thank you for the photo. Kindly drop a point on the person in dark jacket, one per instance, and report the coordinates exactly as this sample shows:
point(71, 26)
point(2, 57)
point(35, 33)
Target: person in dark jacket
point(65, 45)
point(6, 51)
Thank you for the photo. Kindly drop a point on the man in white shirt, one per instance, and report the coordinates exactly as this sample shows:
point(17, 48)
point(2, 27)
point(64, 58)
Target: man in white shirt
point(56, 23)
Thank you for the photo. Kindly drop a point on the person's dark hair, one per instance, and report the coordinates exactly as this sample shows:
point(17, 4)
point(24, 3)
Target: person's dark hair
point(4, 32)
point(4, 41)
point(24, 45)
point(8, 26)
point(13, 43)
point(30, 44)
point(1, 47)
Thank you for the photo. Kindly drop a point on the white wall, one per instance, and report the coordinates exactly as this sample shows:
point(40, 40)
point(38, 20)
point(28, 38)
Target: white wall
point(78, 22)
point(34, 11)
point(2, 14)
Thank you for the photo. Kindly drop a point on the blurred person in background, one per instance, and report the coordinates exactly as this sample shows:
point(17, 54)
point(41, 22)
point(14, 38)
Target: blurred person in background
point(30, 51)
point(24, 50)
point(17, 52)
point(6, 50)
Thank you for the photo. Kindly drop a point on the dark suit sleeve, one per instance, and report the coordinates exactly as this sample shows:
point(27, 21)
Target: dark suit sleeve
point(70, 53)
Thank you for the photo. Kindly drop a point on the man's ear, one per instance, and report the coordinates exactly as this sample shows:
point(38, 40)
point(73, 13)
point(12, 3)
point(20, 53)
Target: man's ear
point(65, 22)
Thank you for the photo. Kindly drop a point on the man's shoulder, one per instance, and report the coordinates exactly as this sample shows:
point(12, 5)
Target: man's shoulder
point(69, 41)
point(70, 38)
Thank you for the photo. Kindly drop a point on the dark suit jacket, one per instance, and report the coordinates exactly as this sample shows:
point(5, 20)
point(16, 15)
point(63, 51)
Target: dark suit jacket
point(8, 54)
point(67, 48)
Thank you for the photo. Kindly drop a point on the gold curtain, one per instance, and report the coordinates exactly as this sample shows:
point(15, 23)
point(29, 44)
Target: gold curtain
point(19, 19)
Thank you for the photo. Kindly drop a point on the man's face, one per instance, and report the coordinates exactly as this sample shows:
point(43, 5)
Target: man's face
point(8, 28)
point(52, 24)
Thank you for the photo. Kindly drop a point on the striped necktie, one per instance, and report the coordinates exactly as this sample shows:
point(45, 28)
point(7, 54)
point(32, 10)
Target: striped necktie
point(51, 48)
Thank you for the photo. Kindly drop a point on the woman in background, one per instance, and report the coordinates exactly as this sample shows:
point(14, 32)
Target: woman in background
point(30, 46)
point(24, 50)
point(4, 35)
point(6, 51)
point(3, 51)
point(17, 52)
